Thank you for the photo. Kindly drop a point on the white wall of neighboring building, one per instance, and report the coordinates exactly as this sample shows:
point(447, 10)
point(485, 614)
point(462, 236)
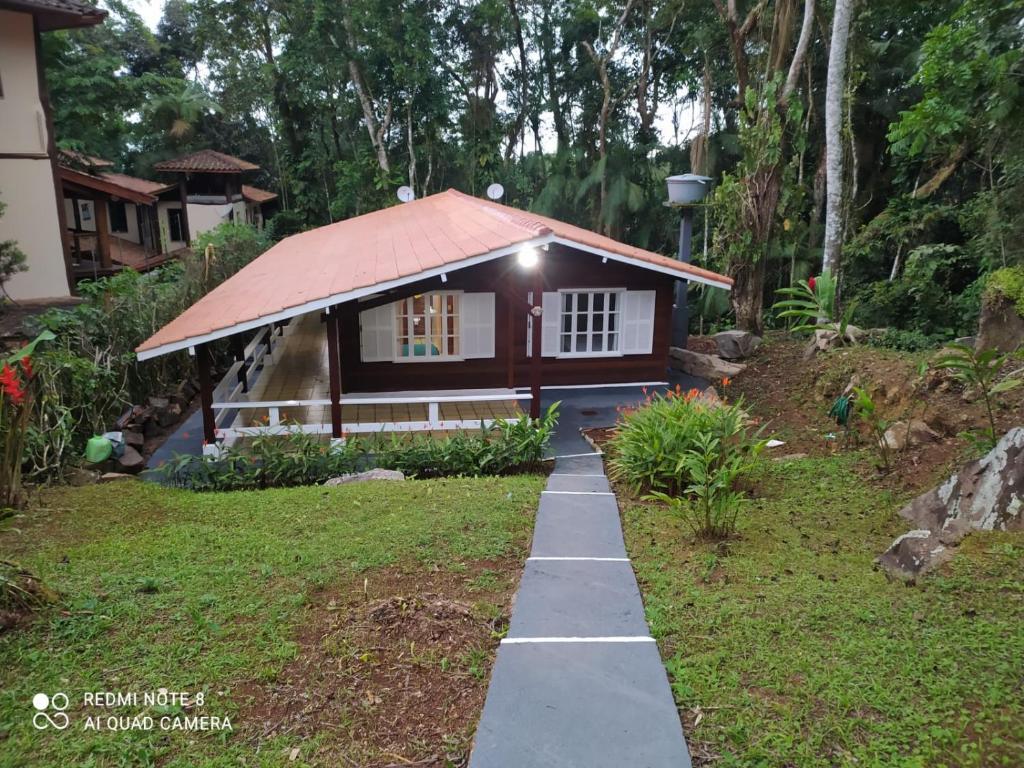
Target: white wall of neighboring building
point(26, 183)
point(203, 217)
point(165, 229)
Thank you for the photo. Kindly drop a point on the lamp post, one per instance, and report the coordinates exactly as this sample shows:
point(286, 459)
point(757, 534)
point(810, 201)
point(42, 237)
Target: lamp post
point(685, 192)
point(529, 259)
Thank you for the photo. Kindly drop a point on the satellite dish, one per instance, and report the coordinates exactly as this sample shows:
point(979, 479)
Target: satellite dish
point(406, 194)
point(495, 191)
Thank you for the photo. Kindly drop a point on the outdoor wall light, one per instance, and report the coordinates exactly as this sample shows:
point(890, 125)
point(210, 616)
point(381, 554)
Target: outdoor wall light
point(528, 257)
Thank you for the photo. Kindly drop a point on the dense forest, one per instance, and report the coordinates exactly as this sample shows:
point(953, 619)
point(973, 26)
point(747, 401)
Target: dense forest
point(582, 108)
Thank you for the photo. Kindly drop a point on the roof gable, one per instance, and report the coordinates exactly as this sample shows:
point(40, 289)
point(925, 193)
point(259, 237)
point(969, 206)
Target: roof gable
point(57, 14)
point(206, 161)
point(379, 251)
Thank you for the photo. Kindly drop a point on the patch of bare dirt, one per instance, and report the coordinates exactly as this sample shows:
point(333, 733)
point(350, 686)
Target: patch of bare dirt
point(392, 668)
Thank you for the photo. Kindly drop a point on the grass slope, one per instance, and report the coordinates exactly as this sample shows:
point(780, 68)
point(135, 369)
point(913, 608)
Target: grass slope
point(198, 592)
point(786, 648)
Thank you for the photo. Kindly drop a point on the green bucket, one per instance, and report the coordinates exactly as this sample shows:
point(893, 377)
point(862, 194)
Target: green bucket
point(98, 449)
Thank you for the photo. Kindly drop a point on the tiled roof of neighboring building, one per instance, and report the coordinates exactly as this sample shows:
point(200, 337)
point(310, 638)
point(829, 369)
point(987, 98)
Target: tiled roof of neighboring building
point(145, 186)
point(382, 250)
point(57, 14)
point(76, 159)
point(206, 161)
point(257, 195)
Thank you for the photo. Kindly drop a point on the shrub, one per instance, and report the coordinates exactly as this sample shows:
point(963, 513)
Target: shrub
point(905, 341)
point(17, 395)
point(814, 305)
point(298, 459)
point(12, 258)
point(652, 444)
point(1009, 283)
point(712, 503)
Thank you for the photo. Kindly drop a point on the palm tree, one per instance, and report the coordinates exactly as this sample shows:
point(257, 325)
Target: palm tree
point(177, 113)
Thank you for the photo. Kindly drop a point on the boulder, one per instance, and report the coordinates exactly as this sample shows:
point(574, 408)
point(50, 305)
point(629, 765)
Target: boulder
point(371, 474)
point(913, 555)
point(134, 438)
point(130, 461)
point(999, 326)
point(736, 345)
point(156, 403)
point(169, 416)
point(709, 397)
point(79, 476)
point(709, 367)
point(110, 477)
point(825, 339)
point(900, 434)
point(986, 495)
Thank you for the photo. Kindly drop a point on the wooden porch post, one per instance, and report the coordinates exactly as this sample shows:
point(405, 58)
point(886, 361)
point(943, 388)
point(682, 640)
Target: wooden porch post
point(102, 232)
point(238, 350)
point(204, 363)
point(183, 194)
point(334, 369)
point(535, 358)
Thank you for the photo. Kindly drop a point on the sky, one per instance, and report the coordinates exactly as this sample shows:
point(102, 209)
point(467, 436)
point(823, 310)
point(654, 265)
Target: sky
point(149, 10)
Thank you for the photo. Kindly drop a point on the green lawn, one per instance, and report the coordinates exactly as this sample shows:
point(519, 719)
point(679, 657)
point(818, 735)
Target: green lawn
point(786, 648)
point(202, 592)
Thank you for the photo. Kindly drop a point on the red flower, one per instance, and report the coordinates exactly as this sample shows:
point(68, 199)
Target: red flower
point(811, 282)
point(11, 385)
point(26, 366)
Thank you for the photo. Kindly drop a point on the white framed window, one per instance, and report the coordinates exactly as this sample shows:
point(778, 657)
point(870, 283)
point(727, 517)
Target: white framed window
point(427, 327)
point(590, 323)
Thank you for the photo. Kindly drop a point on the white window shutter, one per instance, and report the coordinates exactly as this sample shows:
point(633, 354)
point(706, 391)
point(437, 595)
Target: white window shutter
point(476, 316)
point(638, 322)
point(550, 321)
point(377, 334)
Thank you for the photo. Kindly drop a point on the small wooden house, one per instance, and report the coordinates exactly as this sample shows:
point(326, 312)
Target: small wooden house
point(442, 301)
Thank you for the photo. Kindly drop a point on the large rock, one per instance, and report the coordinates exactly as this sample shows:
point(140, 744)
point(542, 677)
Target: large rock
point(130, 461)
point(900, 434)
point(710, 367)
point(986, 495)
point(999, 326)
point(736, 345)
point(825, 339)
point(371, 474)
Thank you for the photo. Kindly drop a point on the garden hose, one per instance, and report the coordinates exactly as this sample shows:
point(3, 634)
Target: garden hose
point(840, 410)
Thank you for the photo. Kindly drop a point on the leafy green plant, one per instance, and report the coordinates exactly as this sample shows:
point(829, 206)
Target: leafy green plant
point(866, 411)
point(814, 306)
point(12, 258)
point(980, 371)
point(651, 442)
point(17, 395)
point(711, 504)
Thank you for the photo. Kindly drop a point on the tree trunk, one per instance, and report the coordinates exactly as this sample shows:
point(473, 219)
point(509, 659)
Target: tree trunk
point(748, 295)
point(834, 88)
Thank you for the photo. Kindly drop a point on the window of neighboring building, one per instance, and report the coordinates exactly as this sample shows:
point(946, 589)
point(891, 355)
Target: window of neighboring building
point(175, 225)
point(427, 327)
point(590, 323)
point(118, 217)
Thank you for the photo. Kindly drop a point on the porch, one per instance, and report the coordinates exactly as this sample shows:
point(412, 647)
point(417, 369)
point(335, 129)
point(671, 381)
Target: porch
point(281, 383)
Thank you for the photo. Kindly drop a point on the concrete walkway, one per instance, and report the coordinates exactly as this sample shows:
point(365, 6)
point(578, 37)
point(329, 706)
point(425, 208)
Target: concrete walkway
point(578, 681)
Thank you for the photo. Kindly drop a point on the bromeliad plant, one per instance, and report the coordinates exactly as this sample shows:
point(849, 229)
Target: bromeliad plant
point(17, 394)
point(813, 304)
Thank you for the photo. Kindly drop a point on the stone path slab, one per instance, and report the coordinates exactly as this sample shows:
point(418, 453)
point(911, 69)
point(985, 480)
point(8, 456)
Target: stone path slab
point(578, 682)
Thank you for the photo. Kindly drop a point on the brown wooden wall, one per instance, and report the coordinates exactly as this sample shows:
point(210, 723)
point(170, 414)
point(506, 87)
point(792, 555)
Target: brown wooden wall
point(562, 268)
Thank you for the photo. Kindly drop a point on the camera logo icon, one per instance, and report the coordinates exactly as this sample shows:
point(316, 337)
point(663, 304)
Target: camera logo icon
point(43, 705)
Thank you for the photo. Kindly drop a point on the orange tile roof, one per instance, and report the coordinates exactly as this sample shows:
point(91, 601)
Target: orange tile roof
point(257, 195)
point(145, 186)
point(206, 161)
point(381, 250)
point(76, 159)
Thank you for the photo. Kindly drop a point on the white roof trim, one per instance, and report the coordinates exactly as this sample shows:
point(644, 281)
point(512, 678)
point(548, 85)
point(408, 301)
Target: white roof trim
point(376, 288)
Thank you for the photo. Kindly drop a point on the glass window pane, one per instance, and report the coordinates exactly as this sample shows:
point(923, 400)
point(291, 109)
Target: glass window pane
point(452, 348)
point(582, 322)
point(613, 342)
point(566, 342)
point(419, 305)
point(566, 323)
point(567, 302)
point(452, 308)
point(597, 344)
point(613, 322)
point(599, 302)
point(451, 326)
point(582, 301)
point(613, 301)
point(598, 323)
point(581, 342)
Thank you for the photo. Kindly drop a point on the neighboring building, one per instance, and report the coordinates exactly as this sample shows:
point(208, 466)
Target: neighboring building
point(445, 300)
point(28, 167)
point(210, 192)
